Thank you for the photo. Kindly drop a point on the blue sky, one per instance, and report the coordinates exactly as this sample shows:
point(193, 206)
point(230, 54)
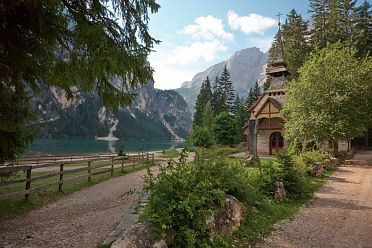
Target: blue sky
point(196, 34)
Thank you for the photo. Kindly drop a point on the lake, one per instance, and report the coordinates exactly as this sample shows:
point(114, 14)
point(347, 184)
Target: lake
point(80, 146)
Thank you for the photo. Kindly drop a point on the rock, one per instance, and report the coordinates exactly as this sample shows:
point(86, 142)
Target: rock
point(227, 219)
point(280, 193)
point(138, 236)
point(318, 169)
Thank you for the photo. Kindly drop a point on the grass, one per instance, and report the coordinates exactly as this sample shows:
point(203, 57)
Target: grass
point(171, 153)
point(18, 206)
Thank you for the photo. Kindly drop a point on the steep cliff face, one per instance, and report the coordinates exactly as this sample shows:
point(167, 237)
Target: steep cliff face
point(246, 67)
point(155, 114)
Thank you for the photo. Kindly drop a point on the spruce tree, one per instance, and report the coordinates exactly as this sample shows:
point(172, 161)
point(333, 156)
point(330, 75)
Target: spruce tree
point(241, 116)
point(362, 34)
point(347, 18)
point(270, 59)
point(227, 95)
point(203, 97)
point(256, 91)
point(320, 11)
point(295, 44)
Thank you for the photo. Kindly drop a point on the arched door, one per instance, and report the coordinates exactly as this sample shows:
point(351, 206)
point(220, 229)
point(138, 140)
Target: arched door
point(276, 143)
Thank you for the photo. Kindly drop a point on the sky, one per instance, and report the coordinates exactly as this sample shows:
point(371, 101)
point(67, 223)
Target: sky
point(196, 34)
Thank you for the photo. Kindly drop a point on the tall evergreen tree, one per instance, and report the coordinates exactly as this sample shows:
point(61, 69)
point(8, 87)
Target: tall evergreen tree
point(256, 91)
point(228, 95)
point(320, 11)
point(203, 97)
point(347, 18)
point(362, 38)
point(295, 42)
point(241, 116)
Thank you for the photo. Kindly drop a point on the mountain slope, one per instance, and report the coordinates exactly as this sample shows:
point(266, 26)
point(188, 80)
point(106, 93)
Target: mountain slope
point(155, 114)
point(246, 67)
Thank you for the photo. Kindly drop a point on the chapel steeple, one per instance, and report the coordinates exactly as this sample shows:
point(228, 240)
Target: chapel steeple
point(278, 67)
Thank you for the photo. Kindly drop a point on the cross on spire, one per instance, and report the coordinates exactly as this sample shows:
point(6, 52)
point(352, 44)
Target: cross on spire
point(278, 15)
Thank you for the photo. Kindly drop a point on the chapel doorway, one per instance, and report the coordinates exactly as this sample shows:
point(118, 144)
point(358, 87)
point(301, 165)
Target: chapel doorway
point(276, 143)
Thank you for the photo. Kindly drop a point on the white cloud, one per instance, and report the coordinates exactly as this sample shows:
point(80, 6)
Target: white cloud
point(253, 23)
point(188, 55)
point(207, 28)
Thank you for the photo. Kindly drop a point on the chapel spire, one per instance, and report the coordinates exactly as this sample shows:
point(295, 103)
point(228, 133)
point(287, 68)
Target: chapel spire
point(278, 67)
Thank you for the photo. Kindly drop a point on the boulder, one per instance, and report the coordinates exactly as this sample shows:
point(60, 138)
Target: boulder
point(280, 192)
point(227, 219)
point(139, 236)
point(318, 169)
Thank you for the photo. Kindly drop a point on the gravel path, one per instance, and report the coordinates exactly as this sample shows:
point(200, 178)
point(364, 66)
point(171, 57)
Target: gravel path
point(81, 219)
point(339, 216)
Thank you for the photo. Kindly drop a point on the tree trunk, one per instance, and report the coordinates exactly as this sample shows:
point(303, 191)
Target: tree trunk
point(335, 148)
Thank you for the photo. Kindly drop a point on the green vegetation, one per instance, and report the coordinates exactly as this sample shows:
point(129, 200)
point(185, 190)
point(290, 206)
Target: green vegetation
point(18, 206)
point(184, 196)
point(77, 46)
point(171, 153)
point(332, 98)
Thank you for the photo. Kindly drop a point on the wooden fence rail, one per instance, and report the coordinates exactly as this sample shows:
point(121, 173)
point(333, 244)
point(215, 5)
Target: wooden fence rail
point(125, 161)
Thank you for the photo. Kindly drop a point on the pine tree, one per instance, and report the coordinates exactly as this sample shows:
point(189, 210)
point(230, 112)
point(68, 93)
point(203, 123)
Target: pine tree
point(362, 38)
point(227, 94)
point(216, 95)
point(203, 97)
point(256, 91)
point(347, 18)
point(334, 32)
point(250, 98)
point(295, 42)
point(241, 116)
point(320, 12)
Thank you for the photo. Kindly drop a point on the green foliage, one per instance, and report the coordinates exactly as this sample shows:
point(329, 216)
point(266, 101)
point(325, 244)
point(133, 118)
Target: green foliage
point(78, 46)
point(283, 169)
point(201, 137)
point(223, 96)
point(204, 96)
point(308, 159)
point(225, 129)
point(295, 44)
point(183, 197)
point(332, 98)
point(171, 153)
point(241, 117)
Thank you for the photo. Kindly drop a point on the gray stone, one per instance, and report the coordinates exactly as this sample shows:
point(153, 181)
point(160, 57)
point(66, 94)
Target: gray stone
point(280, 192)
point(139, 236)
point(227, 219)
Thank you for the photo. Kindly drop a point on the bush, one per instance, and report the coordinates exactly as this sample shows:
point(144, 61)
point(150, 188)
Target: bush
point(182, 198)
point(283, 170)
point(308, 159)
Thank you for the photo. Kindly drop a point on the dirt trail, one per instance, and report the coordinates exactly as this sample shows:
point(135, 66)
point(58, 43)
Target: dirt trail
point(339, 216)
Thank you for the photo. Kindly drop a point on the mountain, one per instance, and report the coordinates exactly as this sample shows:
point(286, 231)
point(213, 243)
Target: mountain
point(246, 67)
point(155, 114)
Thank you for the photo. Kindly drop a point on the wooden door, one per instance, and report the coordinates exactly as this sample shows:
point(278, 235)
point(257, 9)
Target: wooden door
point(276, 143)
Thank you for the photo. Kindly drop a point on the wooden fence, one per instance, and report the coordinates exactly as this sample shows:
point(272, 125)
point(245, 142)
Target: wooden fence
point(42, 162)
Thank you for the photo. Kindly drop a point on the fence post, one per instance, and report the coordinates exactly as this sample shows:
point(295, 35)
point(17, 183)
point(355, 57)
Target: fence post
point(89, 171)
point(122, 164)
point(147, 156)
point(152, 159)
point(112, 166)
point(60, 178)
point(28, 183)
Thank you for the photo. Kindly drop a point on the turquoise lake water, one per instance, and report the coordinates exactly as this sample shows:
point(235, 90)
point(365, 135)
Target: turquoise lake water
point(78, 146)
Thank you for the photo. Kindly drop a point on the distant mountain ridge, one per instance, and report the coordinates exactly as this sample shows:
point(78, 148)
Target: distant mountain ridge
point(154, 115)
point(246, 66)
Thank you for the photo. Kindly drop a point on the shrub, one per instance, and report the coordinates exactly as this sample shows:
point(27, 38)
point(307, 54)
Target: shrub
point(307, 159)
point(182, 198)
point(282, 170)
